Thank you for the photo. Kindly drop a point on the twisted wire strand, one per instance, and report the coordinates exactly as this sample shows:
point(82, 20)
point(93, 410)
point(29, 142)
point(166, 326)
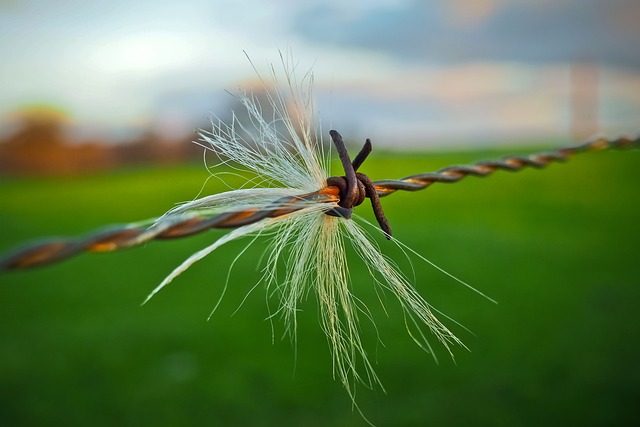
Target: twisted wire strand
point(452, 174)
point(170, 227)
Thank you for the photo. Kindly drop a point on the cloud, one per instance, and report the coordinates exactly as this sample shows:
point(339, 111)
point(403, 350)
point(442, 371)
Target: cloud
point(539, 31)
point(471, 13)
point(391, 69)
point(468, 101)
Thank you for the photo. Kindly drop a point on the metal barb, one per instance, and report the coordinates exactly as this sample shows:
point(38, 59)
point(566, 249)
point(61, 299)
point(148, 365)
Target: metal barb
point(355, 187)
point(347, 199)
point(170, 227)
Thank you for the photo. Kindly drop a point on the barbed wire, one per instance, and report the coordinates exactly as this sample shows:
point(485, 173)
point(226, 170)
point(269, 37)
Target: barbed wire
point(170, 227)
point(452, 174)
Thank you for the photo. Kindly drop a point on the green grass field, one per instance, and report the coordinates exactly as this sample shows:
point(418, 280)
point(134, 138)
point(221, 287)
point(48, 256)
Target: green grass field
point(558, 249)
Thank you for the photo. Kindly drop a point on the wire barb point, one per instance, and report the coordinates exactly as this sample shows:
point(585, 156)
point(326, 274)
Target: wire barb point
point(355, 186)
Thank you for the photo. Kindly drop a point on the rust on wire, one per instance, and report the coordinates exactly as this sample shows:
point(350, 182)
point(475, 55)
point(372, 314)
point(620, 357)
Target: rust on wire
point(453, 174)
point(348, 191)
point(355, 186)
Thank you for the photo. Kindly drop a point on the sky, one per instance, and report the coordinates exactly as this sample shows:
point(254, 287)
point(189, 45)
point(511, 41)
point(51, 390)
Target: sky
point(405, 73)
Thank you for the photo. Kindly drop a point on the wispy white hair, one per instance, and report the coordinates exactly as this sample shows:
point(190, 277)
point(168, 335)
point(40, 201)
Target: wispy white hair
point(284, 149)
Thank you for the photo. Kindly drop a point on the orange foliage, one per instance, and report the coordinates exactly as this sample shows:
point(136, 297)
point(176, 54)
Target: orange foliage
point(40, 146)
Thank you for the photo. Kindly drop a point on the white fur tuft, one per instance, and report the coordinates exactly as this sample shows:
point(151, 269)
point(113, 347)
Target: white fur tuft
point(285, 152)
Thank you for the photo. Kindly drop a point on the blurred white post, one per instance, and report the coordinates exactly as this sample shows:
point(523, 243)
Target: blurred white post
point(584, 99)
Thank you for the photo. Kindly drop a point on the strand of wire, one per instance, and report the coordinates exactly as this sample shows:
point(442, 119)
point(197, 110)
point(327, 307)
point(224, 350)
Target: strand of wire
point(452, 174)
point(120, 237)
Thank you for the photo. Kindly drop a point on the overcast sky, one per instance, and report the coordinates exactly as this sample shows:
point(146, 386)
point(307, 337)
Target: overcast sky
point(397, 71)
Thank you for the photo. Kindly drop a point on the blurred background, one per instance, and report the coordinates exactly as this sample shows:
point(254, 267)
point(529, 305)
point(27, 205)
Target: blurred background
point(98, 106)
point(99, 84)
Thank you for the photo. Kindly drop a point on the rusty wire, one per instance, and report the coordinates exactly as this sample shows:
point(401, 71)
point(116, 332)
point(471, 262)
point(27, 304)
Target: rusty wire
point(170, 227)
